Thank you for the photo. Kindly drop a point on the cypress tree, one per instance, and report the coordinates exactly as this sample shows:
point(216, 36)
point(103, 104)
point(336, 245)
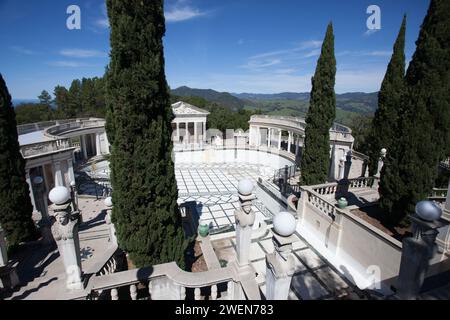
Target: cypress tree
point(425, 116)
point(384, 130)
point(15, 203)
point(145, 195)
point(315, 160)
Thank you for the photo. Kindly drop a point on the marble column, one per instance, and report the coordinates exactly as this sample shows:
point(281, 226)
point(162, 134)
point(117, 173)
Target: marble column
point(289, 141)
point(297, 145)
point(30, 186)
point(258, 139)
point(177, 136)
point(98, 144)
point(186, 137)
point(280, 135)
point(70, 170)
point(250, 135)
point(195, 132)
point(245, 218)
point(3, 251)
point(204, 131)
point(269, 137)
point(58, 175)
point(83, 146)
point(8, 273)
point(447, 199)
point(341, 169)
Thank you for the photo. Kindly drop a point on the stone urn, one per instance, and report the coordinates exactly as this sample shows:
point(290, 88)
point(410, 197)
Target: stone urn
point(342, 203)
point(203, 229)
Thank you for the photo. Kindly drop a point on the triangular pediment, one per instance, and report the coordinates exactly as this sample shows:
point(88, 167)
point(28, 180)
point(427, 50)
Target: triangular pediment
point(183, 108)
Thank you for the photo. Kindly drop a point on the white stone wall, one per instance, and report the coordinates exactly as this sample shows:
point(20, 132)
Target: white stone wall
point(232, 156)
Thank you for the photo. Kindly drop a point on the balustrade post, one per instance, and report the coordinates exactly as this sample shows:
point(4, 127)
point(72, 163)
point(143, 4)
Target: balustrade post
point(114, 294)
point(133, 292)
point(214, 292)
point(418, 250)
point(245, 218)
point(197, 293)
point(65, 232)
point(112, 229)
point(280, 265)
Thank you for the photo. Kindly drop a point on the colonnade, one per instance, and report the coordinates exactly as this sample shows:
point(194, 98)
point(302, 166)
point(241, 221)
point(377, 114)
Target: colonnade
point(273, 138)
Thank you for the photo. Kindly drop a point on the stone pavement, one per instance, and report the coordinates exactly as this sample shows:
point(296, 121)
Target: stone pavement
point(314, 278)
point(40, 268)
point(213, 189)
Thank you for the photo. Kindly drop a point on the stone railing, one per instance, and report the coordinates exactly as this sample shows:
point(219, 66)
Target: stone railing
point(313, 198)
point(357, 183)
point(42, 148)
point(438, 195)
point(39, 126)
point(79, 124)
point(168, 282)
point(295, 122)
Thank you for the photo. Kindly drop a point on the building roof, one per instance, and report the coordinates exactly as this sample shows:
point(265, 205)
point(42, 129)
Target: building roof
point(183, 108)
point(33, 137)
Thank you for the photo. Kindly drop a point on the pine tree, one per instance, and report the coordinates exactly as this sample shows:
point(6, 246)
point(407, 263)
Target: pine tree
point(322, 111)
point(145, 195)
point(384, 130)
point(45, 98)
point(15, 203)
point(425, 117)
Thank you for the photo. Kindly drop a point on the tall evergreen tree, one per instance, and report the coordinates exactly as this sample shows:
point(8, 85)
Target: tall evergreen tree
point(315, 161)
point(145, 193)
point(15, 203)
point(424, 135)
point(384, 130)
point(45, 98)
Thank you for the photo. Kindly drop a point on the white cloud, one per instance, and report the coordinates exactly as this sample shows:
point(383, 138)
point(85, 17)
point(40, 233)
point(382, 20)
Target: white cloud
point(379, 53)
point(23, 50)
point(103, 21)
point(312, 53)
point(69, 64)
point(82, 53)
point(182, 11)
point(311, 44)
point(375, 53)
point(257, 65)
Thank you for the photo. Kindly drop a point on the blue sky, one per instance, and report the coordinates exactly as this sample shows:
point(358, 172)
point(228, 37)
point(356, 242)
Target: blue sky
point(258, 46)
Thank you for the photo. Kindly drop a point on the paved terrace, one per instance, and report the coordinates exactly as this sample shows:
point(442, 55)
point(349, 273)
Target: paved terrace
point(40, 268)
point(314, 278)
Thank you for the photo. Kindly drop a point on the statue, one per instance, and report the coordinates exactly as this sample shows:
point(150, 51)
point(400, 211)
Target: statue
point(65, 232)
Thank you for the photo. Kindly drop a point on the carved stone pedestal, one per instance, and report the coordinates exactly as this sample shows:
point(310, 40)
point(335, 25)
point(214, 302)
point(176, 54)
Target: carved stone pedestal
point(280, 267)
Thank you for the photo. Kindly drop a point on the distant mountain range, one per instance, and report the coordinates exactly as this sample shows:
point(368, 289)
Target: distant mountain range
point(16, 102)
point(286, 103)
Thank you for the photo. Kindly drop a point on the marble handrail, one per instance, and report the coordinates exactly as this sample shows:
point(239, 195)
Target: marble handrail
point(231, 275)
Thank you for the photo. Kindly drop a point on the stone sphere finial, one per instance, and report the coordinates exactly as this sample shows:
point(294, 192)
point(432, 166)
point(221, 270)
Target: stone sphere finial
point(284, 224)
point(245, 187)
point(342, 160)
point(59, 195)
point(108, 202)
point(38, 180)
point(428, 210)
point(383, 152)
point(73, 183)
